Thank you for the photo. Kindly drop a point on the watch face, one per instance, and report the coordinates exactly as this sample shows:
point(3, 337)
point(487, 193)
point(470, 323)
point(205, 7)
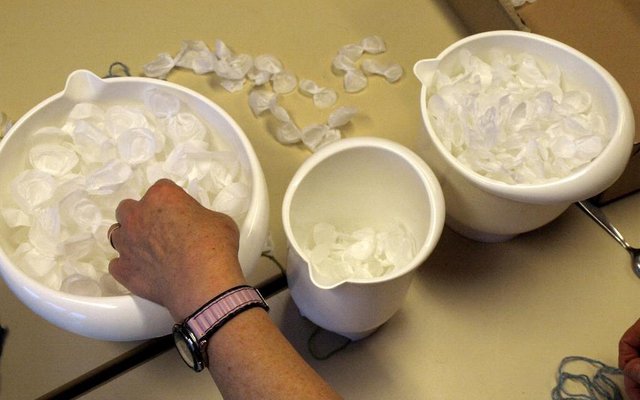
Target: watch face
point(183, 348)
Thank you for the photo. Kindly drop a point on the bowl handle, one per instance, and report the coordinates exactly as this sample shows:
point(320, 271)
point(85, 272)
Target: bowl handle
point(82, 86)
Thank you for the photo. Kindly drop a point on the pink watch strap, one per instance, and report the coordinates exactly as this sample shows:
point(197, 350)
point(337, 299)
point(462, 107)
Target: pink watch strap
point(209, 318)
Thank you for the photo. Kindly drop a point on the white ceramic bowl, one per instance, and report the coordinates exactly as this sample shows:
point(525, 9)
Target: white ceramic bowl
point(352, 184)
point(124, 317)
point(489, 210)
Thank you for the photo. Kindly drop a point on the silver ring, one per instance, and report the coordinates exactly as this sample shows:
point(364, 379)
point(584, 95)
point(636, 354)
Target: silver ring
point(112, 229)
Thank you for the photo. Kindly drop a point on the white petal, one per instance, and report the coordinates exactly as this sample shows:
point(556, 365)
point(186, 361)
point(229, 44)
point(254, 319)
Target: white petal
point(119, 118)
point(317, 136)
point(221, 50)
point(55, 160)
point(15, 217)
point(160, 67)
point(34, 263)
point(32, 188)
point(341, 116)
point(260, 100)
point(352, 51)
point(195, 55)
point(279, 112)
point(232, 85)
point(161, 104)
point(233, 200)
point(235, 68)
point(184, 127)
point(86, 111)
point(392, 72)
point(258, 78)
point(136, 145)
point(313, 135)
point(107, 179)
point(284, 82)
point(45, 231)
point(354, 81)
point(268, 63)
point(78, 209)
point(373, 44)
point(343, 63)
point(309, 87)
point(288, 133)
point(325, 98)
point(81, 285)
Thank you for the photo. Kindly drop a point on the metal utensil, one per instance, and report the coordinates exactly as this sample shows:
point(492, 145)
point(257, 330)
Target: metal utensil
point(598, 215)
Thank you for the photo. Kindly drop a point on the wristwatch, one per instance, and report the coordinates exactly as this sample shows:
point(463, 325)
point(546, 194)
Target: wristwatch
point(191, 336)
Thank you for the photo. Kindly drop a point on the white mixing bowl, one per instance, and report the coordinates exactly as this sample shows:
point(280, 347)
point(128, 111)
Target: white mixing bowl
point(125, 317)
point(488, 210)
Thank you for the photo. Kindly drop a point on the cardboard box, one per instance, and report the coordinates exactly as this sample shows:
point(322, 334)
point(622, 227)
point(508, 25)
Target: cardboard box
point(608, 31)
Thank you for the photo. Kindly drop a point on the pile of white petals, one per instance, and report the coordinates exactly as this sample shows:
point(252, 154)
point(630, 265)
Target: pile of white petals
point(355, 77)
point(512, 119)
point(269, 79)
point(77, 173)
point(234, 70)
point(313, 136)
point(362, 254)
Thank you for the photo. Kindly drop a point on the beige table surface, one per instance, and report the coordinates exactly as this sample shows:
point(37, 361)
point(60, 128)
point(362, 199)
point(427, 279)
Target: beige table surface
point(481, 321)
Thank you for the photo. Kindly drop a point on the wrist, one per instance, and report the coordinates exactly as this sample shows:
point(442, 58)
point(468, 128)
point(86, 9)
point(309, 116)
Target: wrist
point(187, 303)
point(209, 282)
point(192, 335)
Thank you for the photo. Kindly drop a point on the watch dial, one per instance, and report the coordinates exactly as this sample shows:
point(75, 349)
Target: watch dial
point(183, 349)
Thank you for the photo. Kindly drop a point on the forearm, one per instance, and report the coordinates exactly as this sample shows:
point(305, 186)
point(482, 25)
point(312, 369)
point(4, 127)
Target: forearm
point(175, 252)
point(249, 358)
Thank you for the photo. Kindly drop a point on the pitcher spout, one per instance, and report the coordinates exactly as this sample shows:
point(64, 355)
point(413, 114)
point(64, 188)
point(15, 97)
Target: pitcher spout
point(82, 86)
point(425, 69)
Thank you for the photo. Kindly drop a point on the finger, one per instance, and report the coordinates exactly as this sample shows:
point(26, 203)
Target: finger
point(164, 181)
point(114, 268)
point(124, 209)
point(626, 353)
point(161, 186)
point(165, 189)
point(632, 335)
point(632, 370)
point(629, 345)
point(112, 233)
point(117, 270)
point(124, 272)
point(632, 388)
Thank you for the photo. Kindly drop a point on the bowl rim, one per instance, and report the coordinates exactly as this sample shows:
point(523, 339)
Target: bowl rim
point(436, 202)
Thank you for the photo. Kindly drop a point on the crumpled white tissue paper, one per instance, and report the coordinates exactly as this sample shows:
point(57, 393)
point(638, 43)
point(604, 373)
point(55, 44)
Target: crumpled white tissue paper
point(355, 75)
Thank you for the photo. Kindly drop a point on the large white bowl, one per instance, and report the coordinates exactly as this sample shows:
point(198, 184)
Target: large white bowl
point(488, 210)
point(124, 317)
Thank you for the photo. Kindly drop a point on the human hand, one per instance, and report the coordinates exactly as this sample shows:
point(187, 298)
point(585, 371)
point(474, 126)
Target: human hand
point(173, 251)
point(629, 360)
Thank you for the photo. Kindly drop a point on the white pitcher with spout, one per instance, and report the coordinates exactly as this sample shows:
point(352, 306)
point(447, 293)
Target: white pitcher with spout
point(351, 184)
